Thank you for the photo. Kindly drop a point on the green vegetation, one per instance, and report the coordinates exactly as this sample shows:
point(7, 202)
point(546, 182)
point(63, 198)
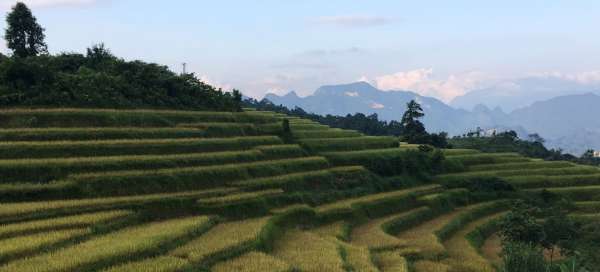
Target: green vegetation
point(92, 189)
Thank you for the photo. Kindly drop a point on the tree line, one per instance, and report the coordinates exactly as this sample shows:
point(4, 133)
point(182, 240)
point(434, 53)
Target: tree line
point(32, 77)
point(410, 128)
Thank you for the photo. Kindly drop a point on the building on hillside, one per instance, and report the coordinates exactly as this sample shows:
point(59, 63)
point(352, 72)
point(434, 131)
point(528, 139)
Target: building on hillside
point(596, 154)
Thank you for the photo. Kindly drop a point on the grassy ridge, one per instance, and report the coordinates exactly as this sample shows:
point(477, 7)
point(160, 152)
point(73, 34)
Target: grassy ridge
point(67, 222)
point(572, 170)
point(108, 133)
point(15, 150)
point(19, 118)
point(42, 209)
point(44, 170)
point(124, 245)
point(337, 177)
point(330, 133)
point(538, 181)
point(521, 165)
point(189, 178)
point(347, 144)
point(488, 158)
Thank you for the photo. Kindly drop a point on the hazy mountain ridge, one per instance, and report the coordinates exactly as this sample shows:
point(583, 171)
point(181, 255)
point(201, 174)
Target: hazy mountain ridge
point(520, 93)
point(568, 122)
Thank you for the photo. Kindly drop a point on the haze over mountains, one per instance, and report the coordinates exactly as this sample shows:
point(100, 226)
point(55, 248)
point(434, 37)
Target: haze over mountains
point(569, 122)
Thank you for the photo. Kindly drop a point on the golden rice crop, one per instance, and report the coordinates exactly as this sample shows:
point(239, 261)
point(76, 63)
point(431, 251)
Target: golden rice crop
point(49, 149)
point(491, 249)
point(430, 266)
point(359, 258)
point(110, 248)
point(16, 246)
point(569, 170)
point(487, 158)
point(391, 261)
point(308, 252)
point(422, 237)
point(103, 133)
point(252, 262)
point(222, 237)
point(158, 264)
point(81, 220)
point(521, 165)
point(461, 255)
point(371, 234)
point(348, 144)
point(30, 208)
point(330, 133)
point(43, 170)
point(537, 181)
point(288, 208)
point(239, 197)
point(335, 229)
point(347, 203)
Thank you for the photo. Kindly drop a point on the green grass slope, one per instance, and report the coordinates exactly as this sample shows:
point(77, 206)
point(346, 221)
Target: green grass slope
point(153, 190)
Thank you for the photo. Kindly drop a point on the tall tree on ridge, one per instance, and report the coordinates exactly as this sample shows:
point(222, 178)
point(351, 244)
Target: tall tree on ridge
point(413, 129)
point(24, 36)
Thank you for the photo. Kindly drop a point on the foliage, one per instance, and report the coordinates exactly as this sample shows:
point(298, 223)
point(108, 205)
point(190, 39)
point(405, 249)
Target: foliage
point(24, 36)
point(523, 257)
point(521, 226)
point(509, 142)
point(370, 125)
point(413, 128)
point(393, 162)
point(101, 80)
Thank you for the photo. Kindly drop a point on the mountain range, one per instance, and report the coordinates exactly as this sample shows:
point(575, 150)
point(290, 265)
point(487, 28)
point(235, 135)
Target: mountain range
point(569, 122)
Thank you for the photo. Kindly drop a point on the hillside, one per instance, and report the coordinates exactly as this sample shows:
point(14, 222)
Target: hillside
point(568, 122)
point(150, 190)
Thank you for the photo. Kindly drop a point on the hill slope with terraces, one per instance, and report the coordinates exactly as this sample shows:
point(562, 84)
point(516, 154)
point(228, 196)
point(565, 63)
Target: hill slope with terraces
point(150, 190)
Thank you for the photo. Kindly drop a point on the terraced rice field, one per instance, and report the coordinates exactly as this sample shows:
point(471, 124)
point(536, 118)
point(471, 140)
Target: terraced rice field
point(149, 190)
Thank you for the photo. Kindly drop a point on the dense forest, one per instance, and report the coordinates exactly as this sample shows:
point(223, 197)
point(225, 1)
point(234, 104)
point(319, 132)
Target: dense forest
point(32, 77)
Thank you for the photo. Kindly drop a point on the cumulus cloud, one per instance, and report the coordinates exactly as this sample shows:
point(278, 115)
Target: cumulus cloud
point(353, 21)
point(219, 85)
point(422, 82)
point(588, 77)
point(377, 106)
point(46, 3)
point(351, 94)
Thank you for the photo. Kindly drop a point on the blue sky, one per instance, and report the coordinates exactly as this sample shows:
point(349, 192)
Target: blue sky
point(437, 48)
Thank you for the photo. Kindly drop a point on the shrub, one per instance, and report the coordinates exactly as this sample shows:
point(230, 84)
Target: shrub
point(519, 257)
point(392, 161)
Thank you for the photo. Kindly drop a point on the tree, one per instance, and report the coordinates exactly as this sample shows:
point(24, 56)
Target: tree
point(536, 138)
point(521, 226)
point(413, 130)
point(24, 36)
point(560, 232)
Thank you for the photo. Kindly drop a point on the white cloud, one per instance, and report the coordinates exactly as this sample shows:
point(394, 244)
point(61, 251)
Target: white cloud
point(351, 94)
point(353, 21)
point(376, 106)
point(4, 4)
point(422, 82)
point(588, 77)
point(216, 84)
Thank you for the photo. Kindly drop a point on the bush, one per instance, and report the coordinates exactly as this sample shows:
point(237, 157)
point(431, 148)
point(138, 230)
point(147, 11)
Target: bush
point(393, 161)
point(519, 257)
point(105, 81)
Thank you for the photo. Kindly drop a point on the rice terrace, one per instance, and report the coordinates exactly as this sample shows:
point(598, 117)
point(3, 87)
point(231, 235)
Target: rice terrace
point(115, 165)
